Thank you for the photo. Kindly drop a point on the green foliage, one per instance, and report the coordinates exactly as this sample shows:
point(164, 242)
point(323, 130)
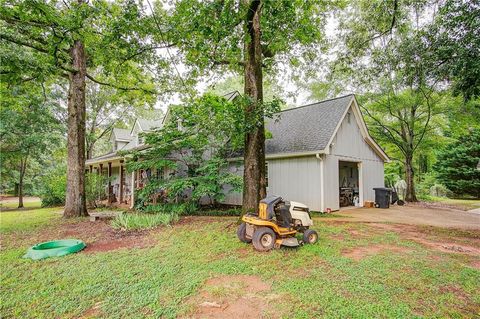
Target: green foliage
point(135, 221)
point(187, 208)
point(30, 135)
point(192, 150)
point(95, 187)
point(211, 34)
point(456, 165)
point(217, 212)
point(454, 34)
point(54, 189)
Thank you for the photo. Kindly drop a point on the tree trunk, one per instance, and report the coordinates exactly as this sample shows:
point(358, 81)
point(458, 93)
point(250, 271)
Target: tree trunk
point(410, 179)
point(23, 166)
point(254, 183)
point(75, 203)
point(90, 150)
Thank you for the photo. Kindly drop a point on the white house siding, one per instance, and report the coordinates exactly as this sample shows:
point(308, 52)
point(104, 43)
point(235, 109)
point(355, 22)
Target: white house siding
point(349, 145)
point(233, 198)
point(330, 171)
point(295, 179)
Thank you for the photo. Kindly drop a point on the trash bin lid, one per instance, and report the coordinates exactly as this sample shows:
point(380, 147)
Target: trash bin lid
point(382, 189)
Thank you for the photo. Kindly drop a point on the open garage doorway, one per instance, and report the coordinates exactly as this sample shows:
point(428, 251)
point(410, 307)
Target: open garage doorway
point(349, 182)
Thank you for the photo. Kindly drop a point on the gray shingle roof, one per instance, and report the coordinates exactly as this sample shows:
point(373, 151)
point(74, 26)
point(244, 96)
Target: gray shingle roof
point(122, 134)
point(305, 128)
point(148, 125)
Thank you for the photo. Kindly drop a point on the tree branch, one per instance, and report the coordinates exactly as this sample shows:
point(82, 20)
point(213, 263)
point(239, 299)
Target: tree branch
point(123, 88)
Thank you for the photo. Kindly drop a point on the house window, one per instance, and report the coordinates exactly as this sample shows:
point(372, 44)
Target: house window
point(348, 117)
point(159, 173)
point(266, 174)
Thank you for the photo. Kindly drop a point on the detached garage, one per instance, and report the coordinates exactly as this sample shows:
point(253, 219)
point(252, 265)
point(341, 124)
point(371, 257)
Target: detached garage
point(321, 155)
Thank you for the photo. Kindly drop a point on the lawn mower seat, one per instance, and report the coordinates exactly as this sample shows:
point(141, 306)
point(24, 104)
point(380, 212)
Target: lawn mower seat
point(282, 214)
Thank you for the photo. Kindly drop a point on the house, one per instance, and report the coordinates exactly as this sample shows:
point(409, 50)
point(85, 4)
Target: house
point(319, 154)
point(322, 155)
point(120, 189)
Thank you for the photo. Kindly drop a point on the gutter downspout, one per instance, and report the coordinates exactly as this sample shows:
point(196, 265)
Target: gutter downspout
point(322, 182)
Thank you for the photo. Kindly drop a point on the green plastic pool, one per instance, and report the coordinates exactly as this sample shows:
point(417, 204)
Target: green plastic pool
point(55, 248)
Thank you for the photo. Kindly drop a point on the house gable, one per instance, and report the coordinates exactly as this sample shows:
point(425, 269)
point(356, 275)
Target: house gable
point(348, 140)
point(354, 137)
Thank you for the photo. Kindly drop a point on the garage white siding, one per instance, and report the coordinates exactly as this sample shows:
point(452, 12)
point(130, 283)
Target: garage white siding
point(349, 145)
point(296, 179)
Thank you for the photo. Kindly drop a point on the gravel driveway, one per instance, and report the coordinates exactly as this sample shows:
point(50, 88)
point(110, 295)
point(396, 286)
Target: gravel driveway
point(413, 215)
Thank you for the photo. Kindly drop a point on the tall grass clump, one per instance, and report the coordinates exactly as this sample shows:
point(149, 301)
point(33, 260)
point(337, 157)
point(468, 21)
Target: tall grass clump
point(135, 221)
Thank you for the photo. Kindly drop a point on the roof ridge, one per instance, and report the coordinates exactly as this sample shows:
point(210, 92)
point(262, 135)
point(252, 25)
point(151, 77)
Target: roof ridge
point(316, 103)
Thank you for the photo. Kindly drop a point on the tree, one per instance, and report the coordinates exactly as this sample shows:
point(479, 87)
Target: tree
point(456, 165)
point(108, 108)
point(457, 46)
point(249, 38)
point(192, 148)
point(404, 122)
point(105, 42)
point(28, 130)
point(389, 55)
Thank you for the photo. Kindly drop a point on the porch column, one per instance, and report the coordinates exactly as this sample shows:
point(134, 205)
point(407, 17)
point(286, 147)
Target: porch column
point(121, 181)
point(139, 174)
point(109, 183)
point(132, 200)
point(100, 172)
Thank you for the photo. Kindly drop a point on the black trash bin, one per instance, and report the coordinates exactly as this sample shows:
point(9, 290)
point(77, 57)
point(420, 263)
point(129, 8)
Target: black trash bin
point(382, 197)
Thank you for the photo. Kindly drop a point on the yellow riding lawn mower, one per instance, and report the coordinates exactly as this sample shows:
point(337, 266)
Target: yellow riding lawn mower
point(276, 224)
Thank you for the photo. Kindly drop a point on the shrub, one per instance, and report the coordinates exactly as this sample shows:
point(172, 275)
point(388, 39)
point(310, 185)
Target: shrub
point(457, 163)
point(218, 212)
point(133, 221)
point(187, 208)
point(95, 186)
point(439, 190)
point(54, 190)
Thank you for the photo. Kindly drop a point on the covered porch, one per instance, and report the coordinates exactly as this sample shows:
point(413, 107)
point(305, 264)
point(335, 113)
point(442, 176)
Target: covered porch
point(120, 188)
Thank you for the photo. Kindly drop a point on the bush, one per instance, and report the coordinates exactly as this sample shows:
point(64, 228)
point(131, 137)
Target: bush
point(439, 190)
point(134, 221)
point(189, 209)
point(218, 212)
point(95, 186)
point(54, 190)
point(456, 165)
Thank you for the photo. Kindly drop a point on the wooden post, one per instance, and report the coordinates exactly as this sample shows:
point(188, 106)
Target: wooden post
point(139, 175)
point(132, 200)
point(91, 169)
point(122, 177)
point(109, 183)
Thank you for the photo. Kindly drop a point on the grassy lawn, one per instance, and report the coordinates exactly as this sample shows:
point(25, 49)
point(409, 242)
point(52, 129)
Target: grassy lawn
point(355, 271)
point(27, 204)
point(463, 204)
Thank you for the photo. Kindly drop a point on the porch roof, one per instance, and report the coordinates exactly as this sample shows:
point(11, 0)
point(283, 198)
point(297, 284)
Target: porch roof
point(103, 158)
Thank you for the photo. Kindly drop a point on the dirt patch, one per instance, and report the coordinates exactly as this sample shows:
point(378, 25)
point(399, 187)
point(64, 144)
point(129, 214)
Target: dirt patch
point(93, 312)
point(359, 253)
point(445, 240)
point(99, 236)
point(448, 247)
point(239, 296)
point(475, 264)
